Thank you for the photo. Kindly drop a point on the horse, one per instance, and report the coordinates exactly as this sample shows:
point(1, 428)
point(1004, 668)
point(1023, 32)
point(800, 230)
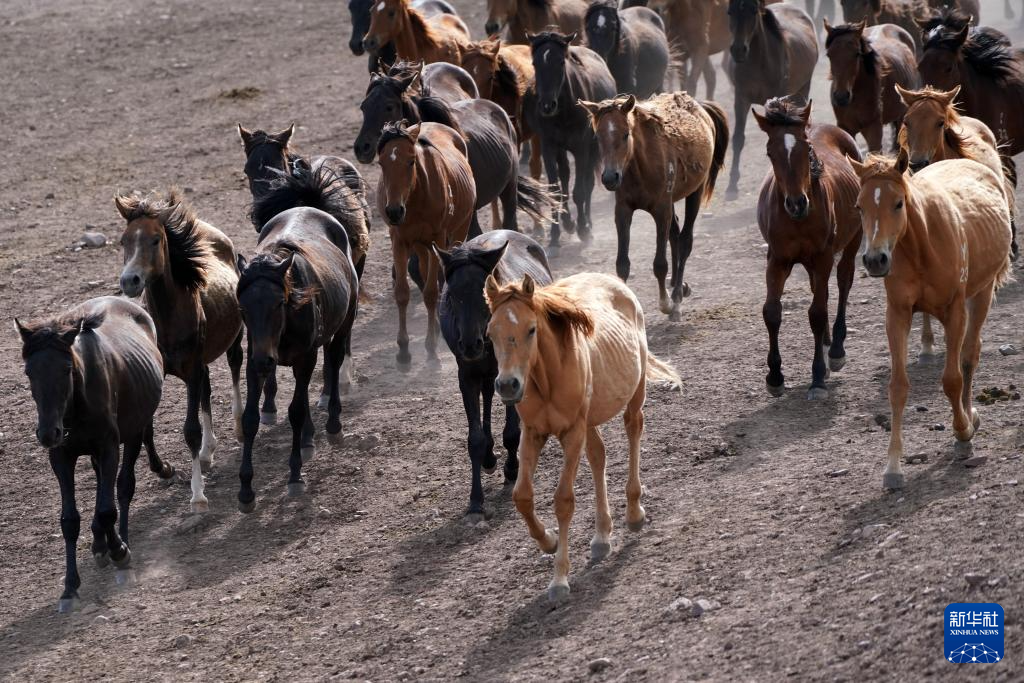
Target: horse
point(415, 35)
point(509, 256)
point(941, 240)
point(970, 8)
point(655, 153)
point(571, 356)
point(427, 196)
point(807, 214)
point(866, 67)
point(774, 48)
point(990, 74)
point(359, 11)
point(632, 43)
point(903, 13)
point(96, 377)
point(521, 17)
point(299, 292)
point(566, 74)
point(185, 271)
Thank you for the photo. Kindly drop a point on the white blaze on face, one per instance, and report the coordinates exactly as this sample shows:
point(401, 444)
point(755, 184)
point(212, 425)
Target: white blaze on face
point(789, 140)
point(601, 21)
point(394, 153)
point(512, 317)
point(380, 7)
point(878, 203)
point(545, 56)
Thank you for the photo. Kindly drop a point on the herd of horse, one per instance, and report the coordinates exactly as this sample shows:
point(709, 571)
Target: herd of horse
point(449, 123)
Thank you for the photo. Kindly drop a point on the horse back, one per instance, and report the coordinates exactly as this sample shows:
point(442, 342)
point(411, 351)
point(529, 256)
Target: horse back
point(219, 298)
point(449, 82)
point(801, 41)
point(523, 256)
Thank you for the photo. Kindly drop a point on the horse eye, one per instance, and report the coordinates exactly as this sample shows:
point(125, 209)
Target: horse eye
point(533, 331)
point(899, 205)
point(411, 162)
point(156, 241)
point(391, 14)
point(940, 124)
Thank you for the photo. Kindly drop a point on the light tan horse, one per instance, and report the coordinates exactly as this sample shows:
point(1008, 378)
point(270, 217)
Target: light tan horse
point(416, 37)
point(571, 356)
point(941, 240)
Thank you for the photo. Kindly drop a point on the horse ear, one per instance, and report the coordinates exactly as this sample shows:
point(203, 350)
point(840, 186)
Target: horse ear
point(530, 37)
point(805, 113)
point(590, 107)
point(72, 334)
point(443, 256)
point(241, 263)
point(762, 122)
point(489, 259)
point(902, 161)
point(491, 289)
point(23, 331)
point(528, 286)
point(413, 131)
point(950, 95)
point(571, 38)
point(284, 136)
point(907, 96)
point(244, 134)
point(860, 26)
point(961, 37)
point(628, 105)
point(857, 166)
point(285, 264)
point(124, 205)
point(828, 26)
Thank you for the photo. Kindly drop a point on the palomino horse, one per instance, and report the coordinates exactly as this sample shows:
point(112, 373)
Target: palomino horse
point(566, 74)
point(807, 214)
point(656, 153)
point(941, 240)
point(96, 376)
point(508, 256)
point(571, 356)
point(185, 271)
point(866, 67)
point(416, 37)
point(426, 195)
point(902, 13)
point(632, 43)
point(521, 17)
point(298, 293)
point(775, 49)
point(359, 12)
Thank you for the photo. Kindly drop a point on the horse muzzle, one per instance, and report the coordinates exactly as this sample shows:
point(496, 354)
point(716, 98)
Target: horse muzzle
point(371, 44)
point(395, 213)
point(917, 165)
point(797, 207)
point(50, 437)
point(509, 389)
point(492, 27)
point(842, 98)
point(739, 52)
point(549, 107)
point(472, 350)
point(364, 150)
point(877, 262)
point(356, 45)
point(611, 179)
point(132, 284)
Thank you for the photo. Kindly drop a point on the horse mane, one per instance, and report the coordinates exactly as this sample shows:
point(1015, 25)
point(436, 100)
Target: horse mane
point(420, 23)
point(264, 267)
point(50, 333)
point(947, 16)
point(882, 167)
point(552, 302)
point(539, 4)
point(393, 131)
point(261, 137)
point(187, 250)
point(987, 52)
point(509, 79)
point(324, 189)
point(869, 57)
point(436, 110)
point(954, 139)
point(771, 22)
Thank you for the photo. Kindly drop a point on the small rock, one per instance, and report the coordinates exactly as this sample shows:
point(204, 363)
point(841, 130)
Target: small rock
point(864, 644)
point(838, 473)
point(976, 461)
point(182, 641)
point(50, 195)
point(917, 458)
point(1012, 482)
point(874, 598)
point(938, 427)
point(682, 605)
point(975, 579)
point(379, 472)
point(702, 605)
point(883, 421)
point(482, 525)
point(599, 665)
point(100, 620)
point(921, 409)
point(1008, 350)
point(93, 240)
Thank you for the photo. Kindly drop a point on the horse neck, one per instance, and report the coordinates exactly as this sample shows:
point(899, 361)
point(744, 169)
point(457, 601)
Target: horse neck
point(170, 305)
point(550, 354)
point(412, 41)
point(915, 244)
point(83, 360)
point(764, 50)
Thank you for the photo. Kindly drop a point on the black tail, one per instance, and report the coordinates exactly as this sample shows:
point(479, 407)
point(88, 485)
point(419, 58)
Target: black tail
point(1009, 169)
point(436, 110)
point(721, 124)
point(538, 200)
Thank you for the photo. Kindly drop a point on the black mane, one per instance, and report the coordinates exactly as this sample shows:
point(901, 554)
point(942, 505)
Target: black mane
point(50, 334)
point(324, 189)
point(987, 51)
point(782, 111)
point(187, 250)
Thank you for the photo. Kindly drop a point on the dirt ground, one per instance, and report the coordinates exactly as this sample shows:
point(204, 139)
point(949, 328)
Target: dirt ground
point(373, 574)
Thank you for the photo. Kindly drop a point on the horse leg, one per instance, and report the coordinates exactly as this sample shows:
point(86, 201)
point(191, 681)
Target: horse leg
point(489, 462)
point(739, 136)
point(126, 482)
point(873, 135)
point(565, 505)
point(234, 355)
point(63, 465)
point(194, 437)
point(633, 418)
point(844, 278)
point(564, 172)
point(710, 78)
point(162, 469)
point(551, 168)
point(662, 222)
point(698, 66)
point(897, 326)
point(510, 439)
point(105, 462)
point(600, 545)
point(977, 311)
point(334, 358)
point(775, 277)
point(345, 379)
point(496, 215)
point(927, 354)
point(952, 375)
point(268, 415)
point(400, 255)
point(536, 167)
point(1008, 10)
point(623, 221)
point(470, 386)
point(530, 444)
point(430, 297)
point(250, 425)
point(209, 444)
point(299, 417)
point(509, 204)
point(817, 316)
point(680, 289)
point(583, 187)
point(474, 228)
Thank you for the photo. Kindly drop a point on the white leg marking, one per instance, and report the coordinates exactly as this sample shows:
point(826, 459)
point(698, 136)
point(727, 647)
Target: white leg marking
point(209, 438)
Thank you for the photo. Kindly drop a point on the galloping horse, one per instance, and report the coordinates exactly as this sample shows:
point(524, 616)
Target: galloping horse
point(415, 35)
point(903, 13)
point(96, 377)
point(426, 195)
point(632, 43)
point(359, 11)
point(807, 214)
point(656, 153)
point(866, 68)
point(508, 256)
point(298, 293)
point(566, 74)
point(571, 356)
point(698, 29)
point(774, 48)
point(941, 240)
point(186, 273)
point(521, 17)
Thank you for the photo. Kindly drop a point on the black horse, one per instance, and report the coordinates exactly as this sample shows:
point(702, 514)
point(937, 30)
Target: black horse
point(564, 76)
point(297, 294)
point(464, 317)
point(359, 10)
point(632, 42)
point(96, 376)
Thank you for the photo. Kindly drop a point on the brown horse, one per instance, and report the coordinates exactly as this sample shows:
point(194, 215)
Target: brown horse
point(866, 67)
point(698, 29)
point(903, 13)
point(941, 240)
point(807, 214)
point(427, 196)
point(655, 153)
point(970, 8)
point(186, 272)
point(416, 38)
point(533, 16)
point(571, 356)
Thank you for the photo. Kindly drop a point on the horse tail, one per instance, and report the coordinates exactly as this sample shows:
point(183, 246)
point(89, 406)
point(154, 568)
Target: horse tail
point(660, 371)
point(1009, 169)
point(721, 126)
point(538, 200)
point(436, 110)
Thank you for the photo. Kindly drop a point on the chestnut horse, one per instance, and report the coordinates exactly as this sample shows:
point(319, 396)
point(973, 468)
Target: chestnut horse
point(359, 12)
point(571, 356)
point(655, 153)
point(774, 48)
point(185, 271)
point(434, 38)
point(941, 240)
point(533, 16)
point(866, 67)
point(903, 13)
point(427, 196)
point(96, 377)
point(808, 216)
point(699, 29)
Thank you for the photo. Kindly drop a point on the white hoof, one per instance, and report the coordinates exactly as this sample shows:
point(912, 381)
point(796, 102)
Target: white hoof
point(199, 505)
point(975, 418)
point(817, 394)
point(599, 549)
point(323, 401)
point(125, 577)
point(925, 358)
point(893, 480)
point(558, 591)
point(296, 488)
point(836, 364)
point(68, 605)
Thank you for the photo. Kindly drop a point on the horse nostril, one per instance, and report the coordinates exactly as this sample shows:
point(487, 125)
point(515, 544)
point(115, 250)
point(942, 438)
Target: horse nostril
point(491, 28)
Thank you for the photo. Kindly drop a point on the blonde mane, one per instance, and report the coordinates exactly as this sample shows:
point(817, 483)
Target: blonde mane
point(552, 303)
point(955, 140)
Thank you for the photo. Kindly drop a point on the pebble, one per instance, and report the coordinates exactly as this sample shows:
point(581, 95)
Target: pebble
point(702, 605)
point(50, 195)
point(680, 605)
point(101, 619)
point(184, 640)
point(599, 665)
point(921, 409)
point(975, 579)
point(917, 457)
point(938, 427)
point(93, 240)
point(838, 473)
point(1008, 350)
point(976, 461)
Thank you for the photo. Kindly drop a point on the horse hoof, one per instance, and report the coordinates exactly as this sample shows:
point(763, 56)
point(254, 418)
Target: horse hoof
point(975, 418)
point(167, 471)
point(892, 481)
point(553, 250)
point(198, 507)
point(296, 488)
point(686, 290)
point(817, 394)
point(638, 525)
point(246, 508)
point(558, 591)
point(587, 238)
point(963, 448)
point(732, 194)
point(474, 518)
point(403, 364)
point(205, 466)
point(675, 316)
point(67, 605)
point(345, 388)
point(335, 438)
point(323, 401)
point(599, 550)
point(836, 364)
point(102, 559)
point(126, 561)
point(775, 391)
point(268, 418)
point(125, 577)
point(925, 358)
point(307, 453)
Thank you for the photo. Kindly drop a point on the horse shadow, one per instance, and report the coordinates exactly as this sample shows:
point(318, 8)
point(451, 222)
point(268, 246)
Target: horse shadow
point(802, 419)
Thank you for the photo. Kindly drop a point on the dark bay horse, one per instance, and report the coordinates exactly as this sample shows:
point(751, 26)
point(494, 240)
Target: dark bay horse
point(427, 196)
point(464, 317)
point(807, 213)
point(566, 74)
point(774, 48)
point(521, 17)
point(632, 43)
point(866, 66)
point(297, 294)
point(359, 12)
point(96, 377)
point(903, 13)
point(655, 153)
point(185, 271)
point(415, 34)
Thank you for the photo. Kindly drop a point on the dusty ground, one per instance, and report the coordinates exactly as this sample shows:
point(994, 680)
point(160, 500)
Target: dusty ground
point(373, 574)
